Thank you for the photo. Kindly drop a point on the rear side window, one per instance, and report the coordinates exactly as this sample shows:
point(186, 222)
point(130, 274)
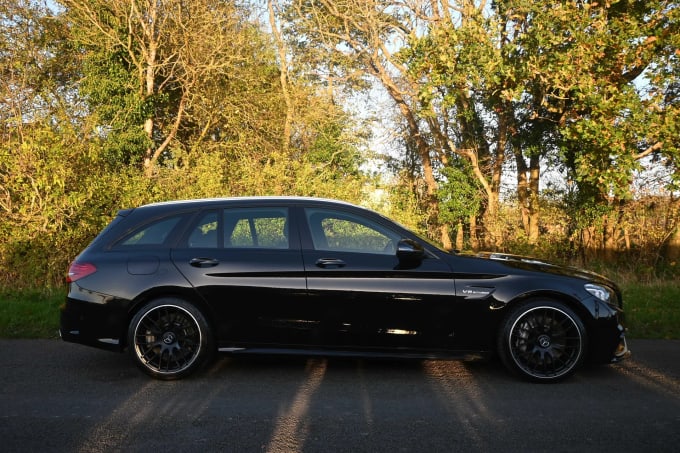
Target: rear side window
point(256, 227)
point(204, 234)
point(240, 228)
point(155, 233)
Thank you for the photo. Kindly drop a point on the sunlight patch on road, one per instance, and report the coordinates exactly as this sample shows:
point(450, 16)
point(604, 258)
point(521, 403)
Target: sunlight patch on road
point(291, 426)
point(103, 437)
point(462, 398)
point(367, 405)
point(651, 378)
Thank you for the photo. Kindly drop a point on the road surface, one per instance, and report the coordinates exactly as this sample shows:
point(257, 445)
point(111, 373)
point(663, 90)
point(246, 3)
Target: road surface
point(61, 397)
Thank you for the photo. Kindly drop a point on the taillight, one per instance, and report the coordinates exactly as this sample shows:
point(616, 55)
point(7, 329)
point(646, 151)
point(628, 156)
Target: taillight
point(79, 270)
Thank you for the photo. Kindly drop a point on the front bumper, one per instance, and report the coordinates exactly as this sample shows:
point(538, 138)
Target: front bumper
point(622, 352)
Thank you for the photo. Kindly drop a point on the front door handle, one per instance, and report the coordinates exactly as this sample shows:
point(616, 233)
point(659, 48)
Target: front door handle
point(204, 262)
point(330, 262)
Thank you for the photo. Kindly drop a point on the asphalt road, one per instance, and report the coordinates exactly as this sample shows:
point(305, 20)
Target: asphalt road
point(60, 397)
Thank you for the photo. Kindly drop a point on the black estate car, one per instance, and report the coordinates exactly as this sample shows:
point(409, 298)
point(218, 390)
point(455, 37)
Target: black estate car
point(175, 282)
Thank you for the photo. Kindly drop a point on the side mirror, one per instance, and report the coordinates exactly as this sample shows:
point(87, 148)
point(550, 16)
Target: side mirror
point(410, 251)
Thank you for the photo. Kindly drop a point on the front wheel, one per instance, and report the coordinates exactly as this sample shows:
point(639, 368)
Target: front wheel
point(542, 340)
point(169, 338)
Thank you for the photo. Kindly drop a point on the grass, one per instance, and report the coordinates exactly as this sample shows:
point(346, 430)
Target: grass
point(652, 311)
point(30, 314)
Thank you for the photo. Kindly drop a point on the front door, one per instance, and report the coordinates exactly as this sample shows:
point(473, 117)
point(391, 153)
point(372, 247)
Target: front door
point(369, 298)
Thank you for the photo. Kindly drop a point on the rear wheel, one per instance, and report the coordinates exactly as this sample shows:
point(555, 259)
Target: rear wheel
point(542, 340)
point(170, 338)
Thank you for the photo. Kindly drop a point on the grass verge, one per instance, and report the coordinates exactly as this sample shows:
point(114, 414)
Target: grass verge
point(652, 309)
point(30, 314)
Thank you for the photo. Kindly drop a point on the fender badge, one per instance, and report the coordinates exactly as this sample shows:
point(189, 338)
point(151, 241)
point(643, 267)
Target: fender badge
point(477, 293)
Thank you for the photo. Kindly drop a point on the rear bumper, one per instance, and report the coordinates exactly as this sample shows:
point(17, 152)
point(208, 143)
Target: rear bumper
point(91, 324)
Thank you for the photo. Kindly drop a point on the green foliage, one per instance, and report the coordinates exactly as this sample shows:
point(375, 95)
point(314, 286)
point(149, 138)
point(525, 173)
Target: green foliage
point(620, 106)
point(109, 89)
point(585, 206)
point(459, 195)
point(402, 200)
point(332, 148)
point(588, 86)
point(58, 193)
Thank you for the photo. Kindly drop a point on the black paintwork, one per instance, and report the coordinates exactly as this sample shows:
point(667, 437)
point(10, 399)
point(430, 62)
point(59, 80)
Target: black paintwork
point(418, 302)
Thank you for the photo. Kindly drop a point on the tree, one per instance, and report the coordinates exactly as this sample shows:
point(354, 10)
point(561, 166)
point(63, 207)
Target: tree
point(55, 188)
point(516, 78)
point(174, 81)
point(150, 65)
point(606, 77)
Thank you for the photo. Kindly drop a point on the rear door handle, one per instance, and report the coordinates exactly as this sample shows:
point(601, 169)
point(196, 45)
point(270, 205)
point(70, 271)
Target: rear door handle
point(330, 262)
point(204, 262)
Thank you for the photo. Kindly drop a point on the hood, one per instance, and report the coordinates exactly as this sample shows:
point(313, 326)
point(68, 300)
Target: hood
point(535, 264)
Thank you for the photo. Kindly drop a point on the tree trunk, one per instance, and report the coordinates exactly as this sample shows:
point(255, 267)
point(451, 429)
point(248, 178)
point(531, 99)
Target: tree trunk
point(671, 246)
point(446, 237)
point(474, 239)
point(281, 46)
point(528, 179)
point(534, 206)
point(460, 238)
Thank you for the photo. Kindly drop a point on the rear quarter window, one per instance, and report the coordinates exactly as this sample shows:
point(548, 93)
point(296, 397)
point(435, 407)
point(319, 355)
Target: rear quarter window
point(151, 234)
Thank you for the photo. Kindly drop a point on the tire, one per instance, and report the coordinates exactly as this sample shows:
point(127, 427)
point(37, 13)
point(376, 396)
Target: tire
point(169, 339)
point(542, 340)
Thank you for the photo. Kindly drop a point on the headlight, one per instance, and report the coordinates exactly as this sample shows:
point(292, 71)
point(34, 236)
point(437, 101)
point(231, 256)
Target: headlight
point(601, 292)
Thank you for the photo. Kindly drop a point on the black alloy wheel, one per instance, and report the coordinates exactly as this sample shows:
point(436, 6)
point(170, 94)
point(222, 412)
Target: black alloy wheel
point(169, 339)
point(542, 341)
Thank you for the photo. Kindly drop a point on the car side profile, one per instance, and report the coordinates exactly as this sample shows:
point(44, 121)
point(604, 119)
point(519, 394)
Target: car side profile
point(175, 282)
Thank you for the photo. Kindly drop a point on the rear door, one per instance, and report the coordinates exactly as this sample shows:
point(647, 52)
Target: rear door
point(247, 264)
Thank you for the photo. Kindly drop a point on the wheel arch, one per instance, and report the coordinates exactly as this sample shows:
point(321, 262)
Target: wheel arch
point(186, 294)
point(524, 352)
point(584, 312)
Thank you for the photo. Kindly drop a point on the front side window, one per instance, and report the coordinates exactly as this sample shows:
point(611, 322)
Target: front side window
point(338, 231)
